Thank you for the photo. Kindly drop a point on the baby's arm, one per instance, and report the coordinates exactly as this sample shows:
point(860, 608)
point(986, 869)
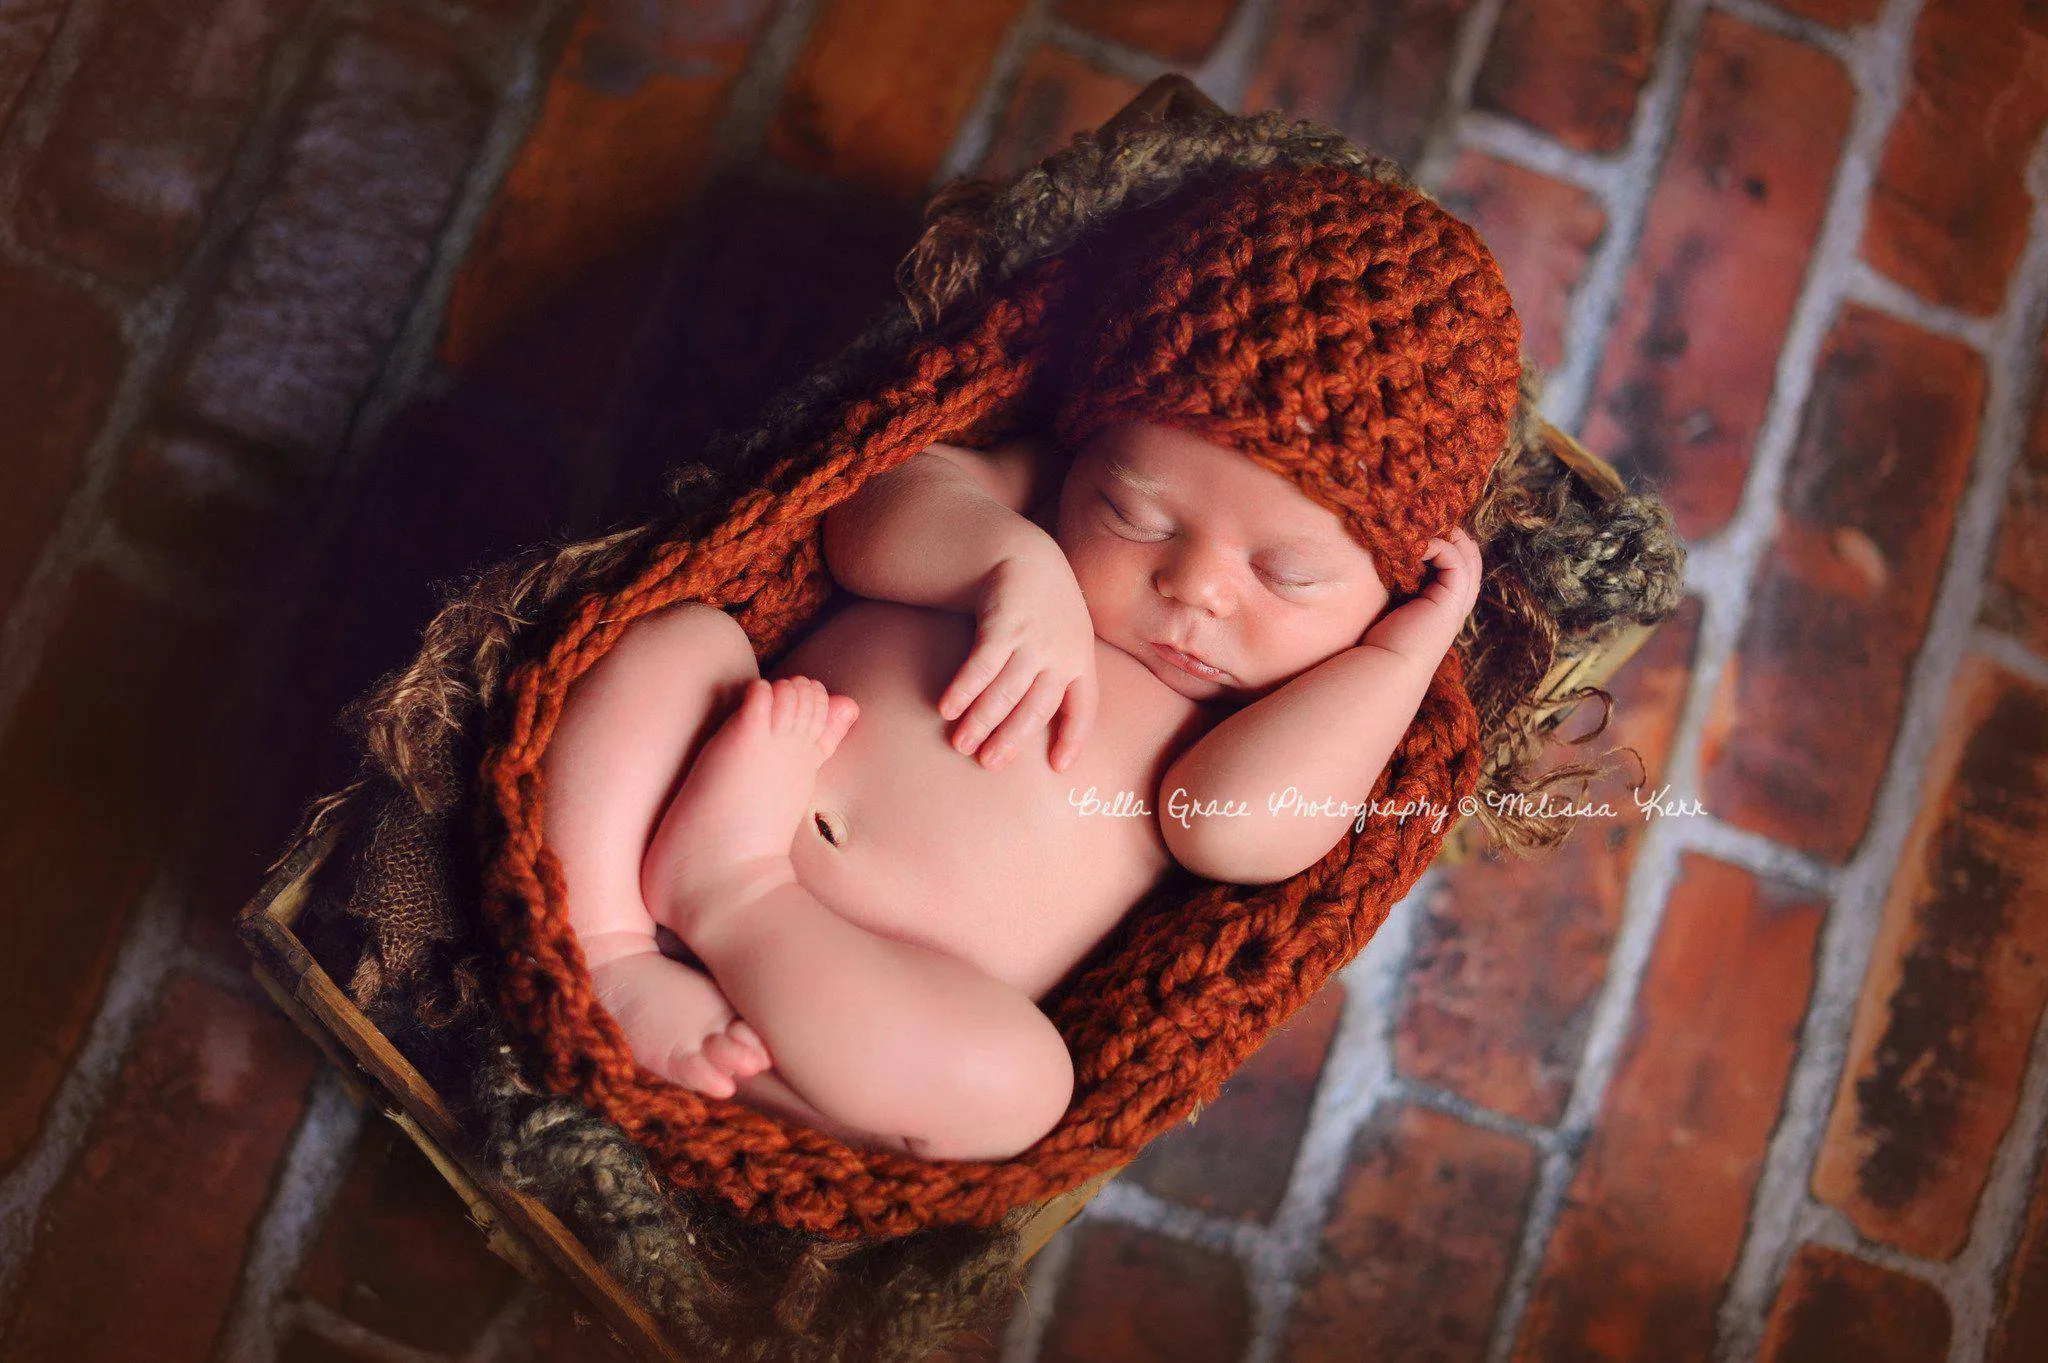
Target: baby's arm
point(929, 531)
point(946, 529)
point(1327, 733)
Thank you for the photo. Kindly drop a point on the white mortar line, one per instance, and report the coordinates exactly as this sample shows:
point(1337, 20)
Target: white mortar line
point(306, 1186)
point(1836, 43)
point(337, 1329)
point(1753, 852)
point(1133, 64)
point(2010, 654)
point(1874, 290)
point(978, 128)
point(1025, 1336)
point(506, 1338)
point(1506, 139)
point(1226, 74)
point(203, 964)
point(133, 986)
point(1468, 54)
point(1884, 52)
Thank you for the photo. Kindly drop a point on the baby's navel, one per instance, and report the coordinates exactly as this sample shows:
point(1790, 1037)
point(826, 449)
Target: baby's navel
point(830, 825)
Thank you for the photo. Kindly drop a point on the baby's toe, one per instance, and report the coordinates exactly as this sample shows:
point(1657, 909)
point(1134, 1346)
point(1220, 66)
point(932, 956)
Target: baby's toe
point(694, 1071)
point(733, 1057)
point(840, 712)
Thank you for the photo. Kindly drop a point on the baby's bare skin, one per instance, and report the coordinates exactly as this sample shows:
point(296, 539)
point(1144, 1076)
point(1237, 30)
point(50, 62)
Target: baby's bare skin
point(890, 954)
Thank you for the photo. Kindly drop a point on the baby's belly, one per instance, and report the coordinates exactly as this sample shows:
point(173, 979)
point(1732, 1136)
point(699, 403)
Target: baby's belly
point(999, 868)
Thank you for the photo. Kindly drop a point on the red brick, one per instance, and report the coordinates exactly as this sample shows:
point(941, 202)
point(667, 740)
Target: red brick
point(1804, 725)
point(2020, 1332)
point(1836, 1308)
point(26, 27)
point(1838, 13)
point(1142, 1298)
point(1690, 366)
point(2016, 590)
point(321, 276)
point(572, 250)
point(153, 1218)
point(881, 86)
point(1380, 72)
point(1181, 31)
point(1948, 213)
point(1510, 955)
point(1236, 1158)
point(1654, 1220)
point(147, 131)
point(1571, 67)
point(1540, 230)
point(207, 506)
point(1418, 1244)
point(1057, 95)
point(399, 1254)
point(92, 772)
point(60, 357)
point(1957, 981)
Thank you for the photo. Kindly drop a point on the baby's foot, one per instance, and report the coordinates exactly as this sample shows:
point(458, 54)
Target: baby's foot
point(678, 1024)
point(740, 804)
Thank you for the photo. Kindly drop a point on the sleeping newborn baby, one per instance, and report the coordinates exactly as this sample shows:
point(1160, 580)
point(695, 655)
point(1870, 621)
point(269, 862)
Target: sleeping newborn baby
point(955, 785)
point(1185, 618)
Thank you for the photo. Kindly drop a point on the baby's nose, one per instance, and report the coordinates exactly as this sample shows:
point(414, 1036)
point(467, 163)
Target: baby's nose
point(1197, 588)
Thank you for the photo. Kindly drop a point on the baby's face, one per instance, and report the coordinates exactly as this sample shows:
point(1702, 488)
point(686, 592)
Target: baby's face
point(1181, 542)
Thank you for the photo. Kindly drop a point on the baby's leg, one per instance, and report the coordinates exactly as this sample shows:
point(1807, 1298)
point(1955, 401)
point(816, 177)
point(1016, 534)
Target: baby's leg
point(878, 1033)
point(630, 726)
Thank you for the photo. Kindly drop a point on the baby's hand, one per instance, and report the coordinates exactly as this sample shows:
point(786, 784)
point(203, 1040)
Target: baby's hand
point(1034, 657)
point(1425, 628)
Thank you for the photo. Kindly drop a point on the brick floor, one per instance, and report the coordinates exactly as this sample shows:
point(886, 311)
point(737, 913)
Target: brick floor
point(282, 286)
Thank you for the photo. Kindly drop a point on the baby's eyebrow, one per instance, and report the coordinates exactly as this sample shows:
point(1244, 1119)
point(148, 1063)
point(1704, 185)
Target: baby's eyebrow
point(1146, 483)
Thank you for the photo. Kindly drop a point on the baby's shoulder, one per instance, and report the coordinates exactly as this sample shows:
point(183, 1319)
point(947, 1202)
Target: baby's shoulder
point(1023, 473)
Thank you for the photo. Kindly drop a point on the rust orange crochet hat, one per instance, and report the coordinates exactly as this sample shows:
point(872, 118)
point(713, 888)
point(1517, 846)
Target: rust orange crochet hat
point(1341, 330)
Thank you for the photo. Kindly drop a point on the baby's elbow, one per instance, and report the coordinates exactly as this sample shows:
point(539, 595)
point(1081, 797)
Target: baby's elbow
point(1239, 860)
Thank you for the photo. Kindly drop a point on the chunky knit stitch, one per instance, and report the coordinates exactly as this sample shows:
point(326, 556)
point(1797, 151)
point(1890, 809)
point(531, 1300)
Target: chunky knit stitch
point(1338, 328)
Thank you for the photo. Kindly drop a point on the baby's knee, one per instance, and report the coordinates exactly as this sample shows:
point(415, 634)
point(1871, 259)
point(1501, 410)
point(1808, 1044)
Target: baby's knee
point(1007, 1103)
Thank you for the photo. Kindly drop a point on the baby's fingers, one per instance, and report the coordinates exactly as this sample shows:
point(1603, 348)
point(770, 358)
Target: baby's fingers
point(1077, 719)
point(983, 665)
point(997, 699)
point(1027, 719)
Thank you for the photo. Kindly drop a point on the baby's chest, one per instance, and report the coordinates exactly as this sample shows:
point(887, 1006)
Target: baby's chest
point(1020, 870)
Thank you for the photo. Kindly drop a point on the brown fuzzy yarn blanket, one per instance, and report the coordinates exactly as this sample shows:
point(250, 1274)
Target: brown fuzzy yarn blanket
point(750, 1235)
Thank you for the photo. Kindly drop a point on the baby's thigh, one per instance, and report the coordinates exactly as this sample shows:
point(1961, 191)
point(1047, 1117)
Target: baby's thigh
point(629, 728)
